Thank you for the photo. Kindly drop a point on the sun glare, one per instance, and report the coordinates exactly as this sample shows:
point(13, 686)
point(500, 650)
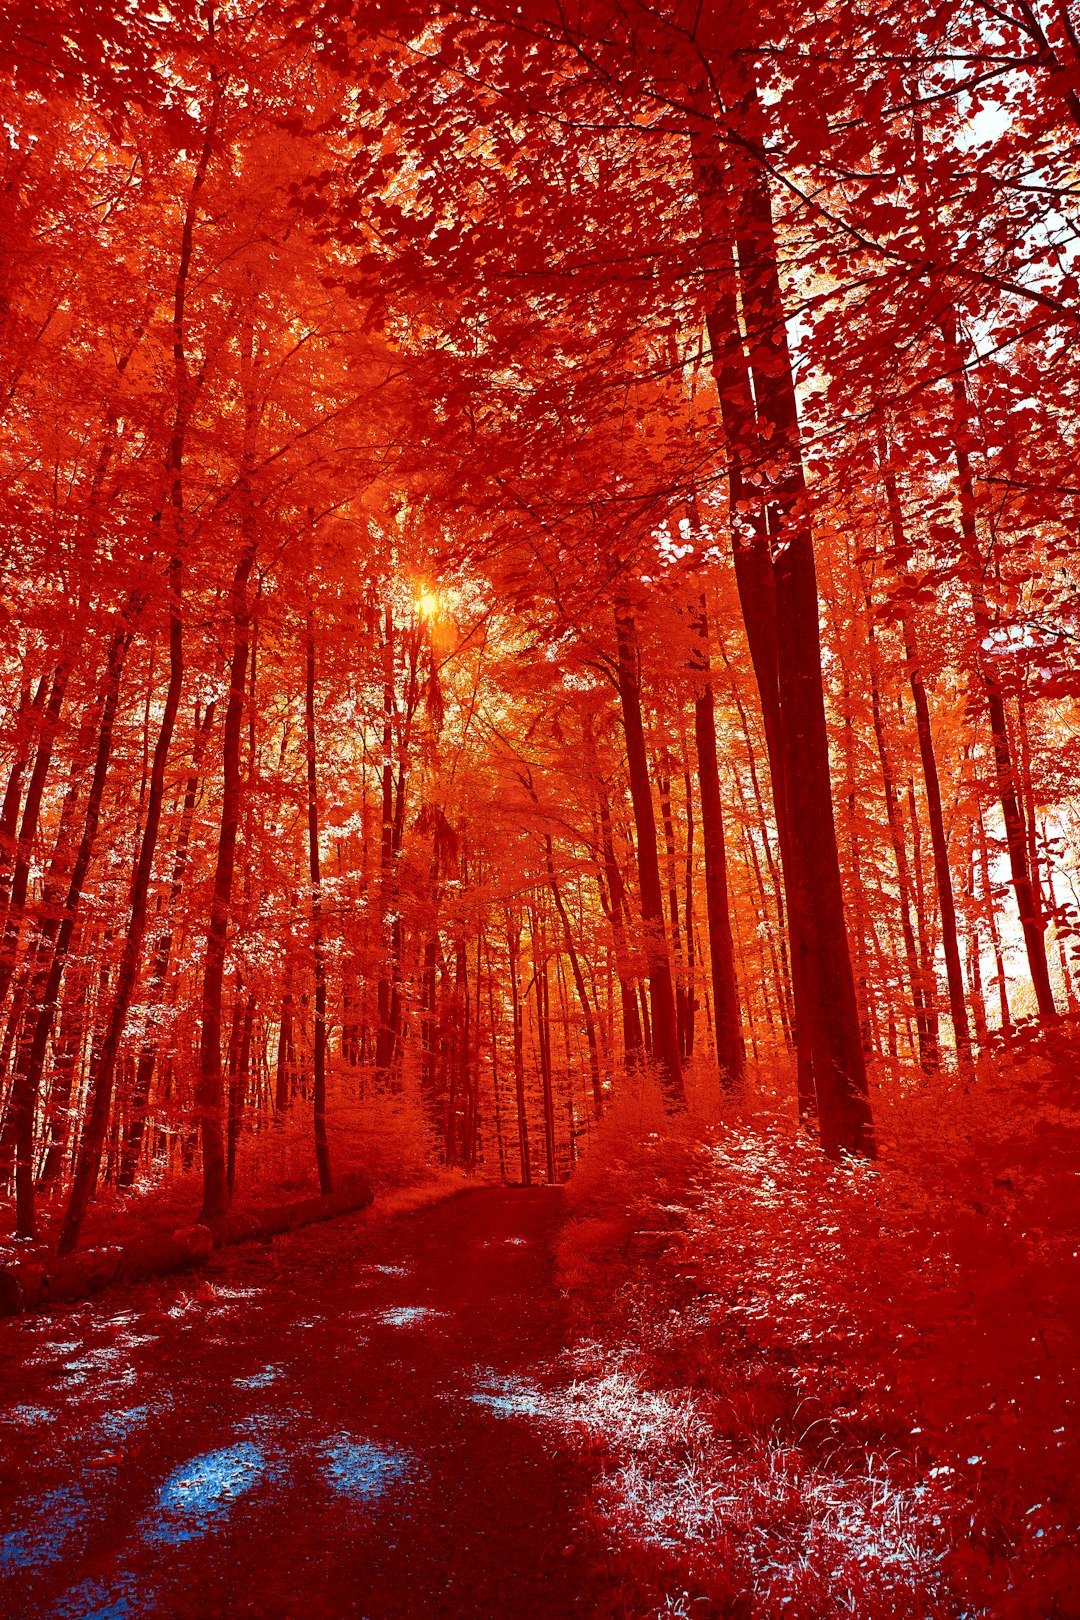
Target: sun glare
point(427, 604)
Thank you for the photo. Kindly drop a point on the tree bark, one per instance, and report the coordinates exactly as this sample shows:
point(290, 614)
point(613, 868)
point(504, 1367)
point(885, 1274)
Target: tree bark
point(209, 1092)
point(513, 948)
point(28, 1080)
point(665, 1029)
point(100, 1090)
point(730, 1053)
point(938, 841)
point(840, 1079)
point(784, 636)
point(322, 1144)
point(1032, 921)
point(579, 982)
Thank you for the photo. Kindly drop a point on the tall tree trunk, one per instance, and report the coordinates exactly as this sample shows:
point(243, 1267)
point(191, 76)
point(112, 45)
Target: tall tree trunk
point(30, 707)
point(730, 1053)
point(322, 1145)
point(1032, 922)
point(614, 903)
point(663, 782)
point(162, 957)
point(513, 949)
point(991, 917)
point(840, 1080)
point(209, 1093)
point(688, 907)
point(579, 981)
point(939, 843)
point(494, 1031)
point(754, 575)
point(542, 1003)
point(28, 1079)
point(384, 1041)
point(66, 1057)
point(922, 993)
point(101, 1077)
point(665, 1029)
point(20, 875)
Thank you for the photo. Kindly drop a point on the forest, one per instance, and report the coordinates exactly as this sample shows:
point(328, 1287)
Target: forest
point(538, 650)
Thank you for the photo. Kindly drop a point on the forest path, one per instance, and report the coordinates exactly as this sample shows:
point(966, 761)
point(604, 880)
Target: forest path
point(337, 1424)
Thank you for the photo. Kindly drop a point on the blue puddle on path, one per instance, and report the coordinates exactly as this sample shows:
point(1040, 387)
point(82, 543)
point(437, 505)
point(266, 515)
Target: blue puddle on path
point(203, 1487)
point(55, 1519)
point(364, 1471)
point(193, 1502)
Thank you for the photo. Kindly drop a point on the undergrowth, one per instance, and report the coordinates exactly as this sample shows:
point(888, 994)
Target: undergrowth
point(839, 1389)
point(385, 1138)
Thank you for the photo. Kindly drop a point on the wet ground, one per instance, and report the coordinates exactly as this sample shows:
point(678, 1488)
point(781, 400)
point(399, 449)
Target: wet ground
point(339, 1423)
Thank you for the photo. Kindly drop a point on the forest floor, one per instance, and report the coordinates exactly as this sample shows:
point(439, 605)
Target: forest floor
point(342, 1422)
point(715, 1377)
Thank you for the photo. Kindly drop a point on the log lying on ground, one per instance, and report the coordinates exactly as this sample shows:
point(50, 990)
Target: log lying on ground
point(352, 1194)
point(187, 1248)
point(44, 1281)
point(238, 1228)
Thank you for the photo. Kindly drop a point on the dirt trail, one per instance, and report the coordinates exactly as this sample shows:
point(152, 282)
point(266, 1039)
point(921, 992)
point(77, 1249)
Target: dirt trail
point(337, 1424)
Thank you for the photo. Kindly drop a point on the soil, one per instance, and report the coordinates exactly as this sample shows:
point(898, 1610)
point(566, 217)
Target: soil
point(336, 1423)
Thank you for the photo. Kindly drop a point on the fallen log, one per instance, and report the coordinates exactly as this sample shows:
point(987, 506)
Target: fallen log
point(77, 1276)
point(188, 1247)
point(353, 1194)
point(239, 1228)
point(44, 1281)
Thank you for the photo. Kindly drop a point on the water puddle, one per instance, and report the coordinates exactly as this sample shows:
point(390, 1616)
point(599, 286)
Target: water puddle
point(92, 1600)
point(55, 1519)
point(408, 1315)
point(364, 1471)
point(206, 1486)
point(510, 1397)
point(119, 1426)
point(26, 1417)
point(259, 1380)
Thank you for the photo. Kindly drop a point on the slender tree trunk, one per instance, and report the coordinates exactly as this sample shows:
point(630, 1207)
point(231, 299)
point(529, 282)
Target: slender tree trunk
point(542, 1003)
point(28, 1080)
point(20, 875)
point(991, 917)
point(663, 783)
point(513, 948)
point(283, 1072)
point(665, 1031)
point(844, 1115)
point(66, 1059)
point(614, 903)
point(730, 1053)
point(208, 1095)
point(1031, 920)
point(384, 1039)
point(579, 982)
point(28, 716)
point(921, 993)
point(688, 905)
point(495, 1089)
point(159, 970)
point(322, 1145)
point(101, 1078)
point(939, 843)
